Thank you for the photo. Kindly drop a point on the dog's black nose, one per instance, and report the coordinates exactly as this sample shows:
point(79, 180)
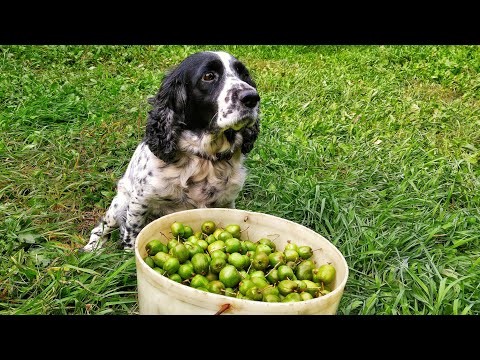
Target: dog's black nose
point(249, 98)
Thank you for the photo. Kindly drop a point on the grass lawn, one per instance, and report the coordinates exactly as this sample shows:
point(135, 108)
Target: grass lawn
point(377, 148)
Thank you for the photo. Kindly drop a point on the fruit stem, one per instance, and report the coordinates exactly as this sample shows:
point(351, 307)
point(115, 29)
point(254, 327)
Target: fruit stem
point(277, 264)
point(166, 237)
point(277, 236)
point(244, 229)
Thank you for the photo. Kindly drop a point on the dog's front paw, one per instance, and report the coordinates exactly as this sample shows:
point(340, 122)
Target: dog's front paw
point(128, 246)
point(88, 248)
point(95, 242)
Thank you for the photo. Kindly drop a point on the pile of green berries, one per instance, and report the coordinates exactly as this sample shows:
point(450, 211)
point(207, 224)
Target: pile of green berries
point(217, 260)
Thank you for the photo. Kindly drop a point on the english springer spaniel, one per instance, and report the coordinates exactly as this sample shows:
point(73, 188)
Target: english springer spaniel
point(204, 120)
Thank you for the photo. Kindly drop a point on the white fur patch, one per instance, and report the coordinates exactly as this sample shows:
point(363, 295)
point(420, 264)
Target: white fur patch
point(230, 112)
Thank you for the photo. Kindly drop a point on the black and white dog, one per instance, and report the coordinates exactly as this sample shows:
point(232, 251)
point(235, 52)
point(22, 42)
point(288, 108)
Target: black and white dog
point(204, 120)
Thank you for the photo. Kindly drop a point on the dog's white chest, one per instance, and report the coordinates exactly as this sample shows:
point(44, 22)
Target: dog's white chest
point(195, 183)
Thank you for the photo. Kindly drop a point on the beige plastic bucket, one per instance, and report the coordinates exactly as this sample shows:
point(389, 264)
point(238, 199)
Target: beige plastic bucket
point(159, 295)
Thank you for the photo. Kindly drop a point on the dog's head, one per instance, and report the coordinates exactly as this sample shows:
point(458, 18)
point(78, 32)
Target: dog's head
point(208, 105)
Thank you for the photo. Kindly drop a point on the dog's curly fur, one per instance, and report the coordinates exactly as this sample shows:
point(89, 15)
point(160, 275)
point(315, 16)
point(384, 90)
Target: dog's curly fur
point(204, 120)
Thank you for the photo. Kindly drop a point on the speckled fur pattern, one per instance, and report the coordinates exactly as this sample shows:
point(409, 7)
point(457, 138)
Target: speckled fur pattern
point(204, 121)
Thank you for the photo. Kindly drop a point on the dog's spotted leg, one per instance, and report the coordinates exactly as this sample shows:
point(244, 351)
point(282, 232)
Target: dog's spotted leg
point(107, 224)
point(134, 222)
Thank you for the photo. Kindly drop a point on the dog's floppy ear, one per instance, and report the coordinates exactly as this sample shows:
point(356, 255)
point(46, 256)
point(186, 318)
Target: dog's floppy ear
point(250, 135)
point(166, 118)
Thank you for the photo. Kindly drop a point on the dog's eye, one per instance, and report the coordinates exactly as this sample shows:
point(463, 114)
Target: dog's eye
point(208, 76)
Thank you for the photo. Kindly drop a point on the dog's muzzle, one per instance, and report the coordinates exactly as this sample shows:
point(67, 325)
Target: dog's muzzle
point(249, 98)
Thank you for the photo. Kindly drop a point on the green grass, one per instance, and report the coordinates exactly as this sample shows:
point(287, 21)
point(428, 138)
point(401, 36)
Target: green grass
point(375, 147)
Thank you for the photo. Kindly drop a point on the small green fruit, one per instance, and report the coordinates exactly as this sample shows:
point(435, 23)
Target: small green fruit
point(203, 244)
point(216, 287)
point(285, 272)
point(260, 282)
point(220, 254)
point(290, 246)
point(210, 239)
point(224, 236)
point(233, 229)
point(171, 265)
point(271, 298)
point(302, 286)
point(217, 264)
point(306, 296)
point(257, 273)
point(192, 239)
point(236, 259)
point(229, 292)
point(260, 261)
point(208, 227)
point(229, 276)
point(251, 246)
point(232, 245)
point(181, 252)
point(276, 258)
point(198, 235)
point(263, 248)
point(199, 281)
point(200, 263)
point(290, 255)
point(244, 274)
point(159, 270)
point(244, 285)
point(187, 231)
point(270, 290)
point(292, 297)
point(160, 258)
point(247, 261)
point(154, 246)
point(216, 245)
point(175, 277)
point(254, 293)
point(194, 249)
point(312, 288)
point(149, 261)
point(177, 229)
point(304, 271)
point(268, 242)
point(325, 274)
point(171, 243)
point(305, 252)
point(272, 276)
point(286, 287)
point(186, 271)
